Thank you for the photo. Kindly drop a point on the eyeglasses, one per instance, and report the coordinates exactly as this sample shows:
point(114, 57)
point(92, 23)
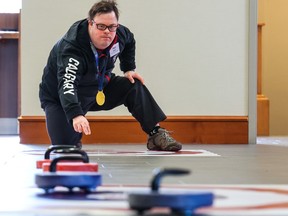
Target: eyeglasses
point(103, 27)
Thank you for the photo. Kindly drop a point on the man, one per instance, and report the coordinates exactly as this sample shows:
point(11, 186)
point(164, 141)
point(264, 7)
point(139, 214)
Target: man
point(78, 78)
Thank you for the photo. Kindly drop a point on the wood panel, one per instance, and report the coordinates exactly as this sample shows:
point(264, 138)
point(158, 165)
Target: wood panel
point(9, 21)
point(125, 129)
point(9, 65)
point(262, 115)
point(262, 100)
point(259, 62)
point(9, 78)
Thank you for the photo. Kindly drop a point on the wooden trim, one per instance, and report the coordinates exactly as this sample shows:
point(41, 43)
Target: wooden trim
point(125, 129)
point(259, 62)
point(262, 101)
point(9, 35)
point(19, 64)
point(262, 115)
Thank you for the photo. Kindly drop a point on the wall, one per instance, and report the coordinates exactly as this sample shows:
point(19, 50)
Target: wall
point(275, 53)
point(192, 53)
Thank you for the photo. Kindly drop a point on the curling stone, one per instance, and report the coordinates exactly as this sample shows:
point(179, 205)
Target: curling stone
point(57, 149)
point(179, 202)
point(83, 180)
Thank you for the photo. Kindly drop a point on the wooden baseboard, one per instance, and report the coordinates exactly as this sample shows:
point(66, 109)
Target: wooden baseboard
point(125, 129)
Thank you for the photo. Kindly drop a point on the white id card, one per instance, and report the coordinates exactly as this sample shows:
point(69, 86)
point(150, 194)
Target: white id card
point(114, 49)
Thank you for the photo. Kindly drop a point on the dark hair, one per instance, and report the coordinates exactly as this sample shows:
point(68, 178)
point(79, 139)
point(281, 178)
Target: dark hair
point(102, 7)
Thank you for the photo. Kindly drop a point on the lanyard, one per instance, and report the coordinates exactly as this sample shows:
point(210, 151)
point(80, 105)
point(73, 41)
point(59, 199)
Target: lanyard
point(99, 75)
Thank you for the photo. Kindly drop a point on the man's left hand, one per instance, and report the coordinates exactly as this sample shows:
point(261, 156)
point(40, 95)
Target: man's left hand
point(132, 74)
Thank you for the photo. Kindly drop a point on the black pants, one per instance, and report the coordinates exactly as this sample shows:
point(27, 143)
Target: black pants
point(136, 97)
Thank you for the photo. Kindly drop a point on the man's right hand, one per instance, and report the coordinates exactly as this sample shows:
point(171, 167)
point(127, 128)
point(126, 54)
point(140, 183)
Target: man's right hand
point(81, 125)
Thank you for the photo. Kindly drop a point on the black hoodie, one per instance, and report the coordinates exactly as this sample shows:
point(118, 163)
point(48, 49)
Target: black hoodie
point(69, 77)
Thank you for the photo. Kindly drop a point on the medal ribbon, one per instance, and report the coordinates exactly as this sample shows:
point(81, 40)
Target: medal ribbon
point(99, 76)
point(100, 96)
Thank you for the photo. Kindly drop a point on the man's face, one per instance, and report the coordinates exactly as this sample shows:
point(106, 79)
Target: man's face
point(102, 38)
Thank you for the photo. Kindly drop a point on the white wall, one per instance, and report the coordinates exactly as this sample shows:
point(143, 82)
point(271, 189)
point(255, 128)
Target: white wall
point(193, 54)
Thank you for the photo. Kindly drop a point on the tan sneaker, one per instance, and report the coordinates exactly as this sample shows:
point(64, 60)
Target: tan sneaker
point(162, 141)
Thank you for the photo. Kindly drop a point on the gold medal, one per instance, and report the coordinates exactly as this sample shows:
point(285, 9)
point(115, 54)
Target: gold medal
point(100, 98)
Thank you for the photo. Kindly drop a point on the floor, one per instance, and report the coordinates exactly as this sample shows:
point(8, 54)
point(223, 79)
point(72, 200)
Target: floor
point(125, 166)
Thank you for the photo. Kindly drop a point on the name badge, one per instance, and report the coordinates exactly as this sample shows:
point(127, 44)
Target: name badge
point(114, 50)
